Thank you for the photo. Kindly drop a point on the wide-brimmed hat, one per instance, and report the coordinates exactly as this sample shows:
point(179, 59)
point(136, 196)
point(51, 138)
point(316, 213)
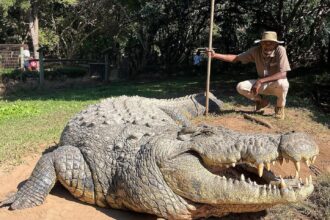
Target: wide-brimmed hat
point(269, 36)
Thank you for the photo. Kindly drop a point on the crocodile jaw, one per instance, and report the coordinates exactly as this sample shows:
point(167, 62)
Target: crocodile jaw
point(188, 178)
point(197, 168)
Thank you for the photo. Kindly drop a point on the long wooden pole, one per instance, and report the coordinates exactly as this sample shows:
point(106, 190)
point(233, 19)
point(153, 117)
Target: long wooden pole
point(209, 60)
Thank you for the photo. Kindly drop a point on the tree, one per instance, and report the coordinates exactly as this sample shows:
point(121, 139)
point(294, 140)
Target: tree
point(165, 33)
point(31, 8)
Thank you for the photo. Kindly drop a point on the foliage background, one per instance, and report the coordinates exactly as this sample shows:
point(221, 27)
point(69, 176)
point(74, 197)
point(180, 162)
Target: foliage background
point(149, 36)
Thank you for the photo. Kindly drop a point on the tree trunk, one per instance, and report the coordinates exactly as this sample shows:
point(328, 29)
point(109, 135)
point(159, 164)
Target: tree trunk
point(328, 60)
point(281, 25)
point(34, 28)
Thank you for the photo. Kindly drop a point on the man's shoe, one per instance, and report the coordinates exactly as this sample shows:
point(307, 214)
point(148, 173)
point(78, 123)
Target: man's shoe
point(262, 104)
point(279, 113)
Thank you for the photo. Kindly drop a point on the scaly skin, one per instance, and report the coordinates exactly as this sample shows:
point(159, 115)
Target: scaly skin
point(144, 155)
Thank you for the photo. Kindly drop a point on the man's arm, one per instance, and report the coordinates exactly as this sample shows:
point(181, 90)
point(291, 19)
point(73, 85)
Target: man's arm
point(276, 76)
point(224, 57)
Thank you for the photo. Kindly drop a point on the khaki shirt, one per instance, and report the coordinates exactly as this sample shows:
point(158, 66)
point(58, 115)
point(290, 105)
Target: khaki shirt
point(277, 62)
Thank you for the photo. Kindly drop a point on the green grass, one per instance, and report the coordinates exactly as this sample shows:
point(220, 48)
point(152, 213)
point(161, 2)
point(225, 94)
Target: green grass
point(26, 125)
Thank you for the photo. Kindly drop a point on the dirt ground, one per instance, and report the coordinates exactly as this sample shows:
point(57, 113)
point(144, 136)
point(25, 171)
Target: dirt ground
point(61, 205)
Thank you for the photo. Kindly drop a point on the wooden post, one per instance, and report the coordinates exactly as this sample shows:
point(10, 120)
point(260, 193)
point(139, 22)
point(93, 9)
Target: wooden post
point(21, 58)
point(209, 60)
point(41, 67)
point(21, 61)
point(106, 68)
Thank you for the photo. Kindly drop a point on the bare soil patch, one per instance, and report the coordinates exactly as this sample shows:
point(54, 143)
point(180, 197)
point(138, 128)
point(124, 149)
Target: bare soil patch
point(61, 205)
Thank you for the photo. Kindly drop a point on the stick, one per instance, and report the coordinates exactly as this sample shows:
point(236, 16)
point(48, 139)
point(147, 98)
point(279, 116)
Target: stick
point(257, 120)
point(209, 61)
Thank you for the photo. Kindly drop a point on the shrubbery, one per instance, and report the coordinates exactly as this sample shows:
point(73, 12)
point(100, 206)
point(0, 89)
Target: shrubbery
point(65, 72)
point(58, 73)
point(322, 79)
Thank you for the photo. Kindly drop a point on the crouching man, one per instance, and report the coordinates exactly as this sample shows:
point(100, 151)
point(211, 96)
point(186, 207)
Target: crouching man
point(272, 65)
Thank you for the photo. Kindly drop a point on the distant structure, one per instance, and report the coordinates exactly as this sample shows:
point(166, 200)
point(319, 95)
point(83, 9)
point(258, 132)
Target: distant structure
point(10, 55)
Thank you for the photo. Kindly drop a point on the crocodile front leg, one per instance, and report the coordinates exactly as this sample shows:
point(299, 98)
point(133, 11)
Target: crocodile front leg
point(65, 164)
point(37, 187)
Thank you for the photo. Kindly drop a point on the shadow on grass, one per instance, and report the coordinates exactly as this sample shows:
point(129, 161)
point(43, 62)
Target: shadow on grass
point(160, 89)
point(223, 86)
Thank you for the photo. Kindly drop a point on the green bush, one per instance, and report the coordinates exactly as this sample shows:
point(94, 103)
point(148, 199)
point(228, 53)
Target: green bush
point(52, 74)
point(322, 79)
point(7, 74)
point(17, 74)
point(65, 72)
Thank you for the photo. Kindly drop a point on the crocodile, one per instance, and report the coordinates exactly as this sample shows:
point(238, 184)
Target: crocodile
point(145, 155)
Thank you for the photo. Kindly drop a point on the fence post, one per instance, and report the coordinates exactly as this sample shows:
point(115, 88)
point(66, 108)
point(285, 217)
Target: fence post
point(21, 57)
point(41, 66)
point(21, 60)
point(106, 68)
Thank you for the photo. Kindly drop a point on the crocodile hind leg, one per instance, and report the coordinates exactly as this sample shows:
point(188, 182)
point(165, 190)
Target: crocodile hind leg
point(37, 187)
point(74, 174)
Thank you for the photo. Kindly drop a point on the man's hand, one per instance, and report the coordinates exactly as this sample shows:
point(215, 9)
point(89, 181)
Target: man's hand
point(255, 88)
point(210, 53)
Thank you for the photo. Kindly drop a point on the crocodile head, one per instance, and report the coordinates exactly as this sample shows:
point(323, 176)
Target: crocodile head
point(222, 171)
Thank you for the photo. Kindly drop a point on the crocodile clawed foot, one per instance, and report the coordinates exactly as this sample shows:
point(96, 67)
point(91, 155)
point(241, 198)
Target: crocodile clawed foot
point(21, 201)
point(8, 201)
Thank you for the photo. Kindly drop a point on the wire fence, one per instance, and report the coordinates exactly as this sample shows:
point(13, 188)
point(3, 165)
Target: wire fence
point(10, 55)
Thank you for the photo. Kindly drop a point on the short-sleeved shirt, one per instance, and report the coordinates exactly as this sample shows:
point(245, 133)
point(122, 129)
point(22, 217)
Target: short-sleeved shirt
point(277, 62)
point(26, 54)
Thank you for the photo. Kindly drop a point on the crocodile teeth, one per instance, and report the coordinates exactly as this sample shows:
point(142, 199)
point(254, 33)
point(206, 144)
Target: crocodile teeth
point(313, 159)
point(264, 191)
point(297, 165)
point(310, 179)
point(308, 162)
point(306, 181)
point(270, 186)
point(283, 185)
point(268, 166)
point(297, 175)
point(242, 177)
point(260, 169)
point(299, 185)
point(233, 164)
point(274, 162)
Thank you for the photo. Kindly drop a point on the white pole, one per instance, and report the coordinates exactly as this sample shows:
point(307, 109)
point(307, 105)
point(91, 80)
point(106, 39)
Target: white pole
point(209, 60)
